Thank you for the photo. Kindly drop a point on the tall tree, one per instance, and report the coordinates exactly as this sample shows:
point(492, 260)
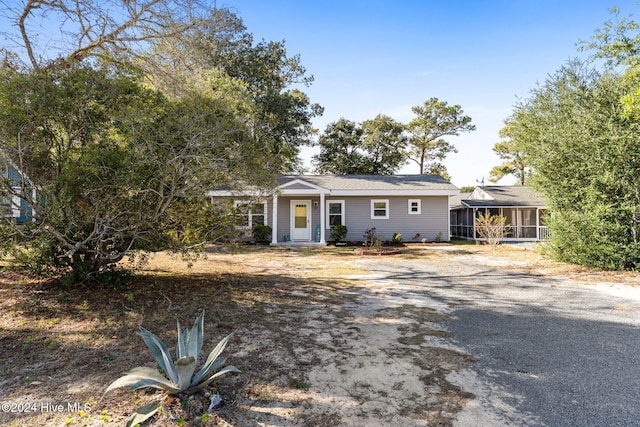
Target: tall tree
point(340, 149)
point(618, 43)
point(108, 159)
point(586, 163)
point(435, 120)
point(376, 147)
point(510, 149)
point(118, 165)
point(384, 142)
point(79, 29)
point(222, 54)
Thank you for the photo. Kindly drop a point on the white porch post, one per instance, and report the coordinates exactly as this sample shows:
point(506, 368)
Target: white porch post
point(274, 221)
point(323, 212)
point(449, 219)
point(474, 223)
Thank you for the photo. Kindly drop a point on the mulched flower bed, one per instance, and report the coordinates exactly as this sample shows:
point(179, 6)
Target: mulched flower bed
point(373, 251)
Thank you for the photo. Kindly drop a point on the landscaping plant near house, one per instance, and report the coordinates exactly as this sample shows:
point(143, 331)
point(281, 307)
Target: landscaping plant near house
point(492, 228)
point(338, 232)
point(372, 239)
point(175, 378)
point(396, 238)
point(261, 233)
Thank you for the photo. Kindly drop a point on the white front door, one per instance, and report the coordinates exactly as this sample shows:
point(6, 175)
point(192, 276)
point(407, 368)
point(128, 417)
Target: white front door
point(301, 220)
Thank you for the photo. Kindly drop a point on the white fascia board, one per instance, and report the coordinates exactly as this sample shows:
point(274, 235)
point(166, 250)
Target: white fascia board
point(504, 206)
point(303, 191)
point(399, 193)
point(227, 193)
point(302, 182)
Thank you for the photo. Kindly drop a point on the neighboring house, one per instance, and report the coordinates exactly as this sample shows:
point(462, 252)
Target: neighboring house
point(303, 207)
point(522, 206)
point(13, 206)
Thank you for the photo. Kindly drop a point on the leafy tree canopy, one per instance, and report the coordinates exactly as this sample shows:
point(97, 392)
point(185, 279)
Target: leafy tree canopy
point(382, 145)
point(510, 148)
point(435, 120)
point(375, 147)
point(142, 107)
point(584, 150)
point(109, 160)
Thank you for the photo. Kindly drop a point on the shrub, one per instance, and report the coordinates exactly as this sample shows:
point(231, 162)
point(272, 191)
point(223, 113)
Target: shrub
point(372, 238)
point(261, 233)
point(338, 232)
point(491, 228)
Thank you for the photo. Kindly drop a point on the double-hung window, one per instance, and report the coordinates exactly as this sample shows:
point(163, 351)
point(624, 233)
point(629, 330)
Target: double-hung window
point(379, 209)
point(335, 212)
point(251, 213)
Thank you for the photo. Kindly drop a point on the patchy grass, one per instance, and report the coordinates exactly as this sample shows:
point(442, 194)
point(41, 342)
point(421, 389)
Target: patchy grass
point(294, 313)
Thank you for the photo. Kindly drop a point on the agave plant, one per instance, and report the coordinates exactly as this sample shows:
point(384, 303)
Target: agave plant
point(178, 377)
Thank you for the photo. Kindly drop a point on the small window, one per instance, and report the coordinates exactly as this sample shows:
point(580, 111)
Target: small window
point(379, 209)
point(415, 207)
point(335, 212)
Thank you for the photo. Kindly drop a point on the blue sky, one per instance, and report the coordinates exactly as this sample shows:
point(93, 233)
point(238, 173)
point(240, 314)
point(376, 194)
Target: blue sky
point(383, 57)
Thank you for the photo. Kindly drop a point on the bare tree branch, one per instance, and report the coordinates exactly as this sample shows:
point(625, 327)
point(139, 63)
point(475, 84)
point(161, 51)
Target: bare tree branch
point(94, 28)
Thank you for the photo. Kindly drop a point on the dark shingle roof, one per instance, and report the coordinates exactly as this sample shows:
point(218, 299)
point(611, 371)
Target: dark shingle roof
point(374, 182)
point(503, 195)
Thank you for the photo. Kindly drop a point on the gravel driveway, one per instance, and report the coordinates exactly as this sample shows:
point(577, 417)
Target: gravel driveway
point(548, 350)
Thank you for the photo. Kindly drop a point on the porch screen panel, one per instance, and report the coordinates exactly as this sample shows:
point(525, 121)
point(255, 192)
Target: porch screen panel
point(300, 220)
point(527, 218)
point(511, 221)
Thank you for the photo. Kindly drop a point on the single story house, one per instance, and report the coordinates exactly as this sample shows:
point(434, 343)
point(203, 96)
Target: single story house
point(12, 205)
point(522, 206)
point(303, 207)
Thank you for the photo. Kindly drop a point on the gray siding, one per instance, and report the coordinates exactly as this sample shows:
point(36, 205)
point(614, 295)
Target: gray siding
point(433, 219)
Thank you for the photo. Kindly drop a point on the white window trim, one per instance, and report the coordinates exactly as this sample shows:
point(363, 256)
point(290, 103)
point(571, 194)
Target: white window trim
point(15, 206)
point(343, 221)
point(386, 202)
point(237, 203)
point(410, 202)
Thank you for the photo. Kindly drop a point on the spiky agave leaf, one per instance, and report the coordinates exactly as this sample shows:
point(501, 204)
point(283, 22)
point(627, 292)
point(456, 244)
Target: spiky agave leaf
point(141, 377)
point(210, 364)
point(160, 353)
point(190, 340)
point(203, 385)
point(185, 368)
point(143, 414)
point(179, 374)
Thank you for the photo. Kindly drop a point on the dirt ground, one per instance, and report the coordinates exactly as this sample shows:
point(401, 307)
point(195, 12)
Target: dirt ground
point(317, 343)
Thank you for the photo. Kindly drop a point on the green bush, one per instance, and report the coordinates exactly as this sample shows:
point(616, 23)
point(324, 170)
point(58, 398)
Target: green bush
point(338, 232)
point(261, 233)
